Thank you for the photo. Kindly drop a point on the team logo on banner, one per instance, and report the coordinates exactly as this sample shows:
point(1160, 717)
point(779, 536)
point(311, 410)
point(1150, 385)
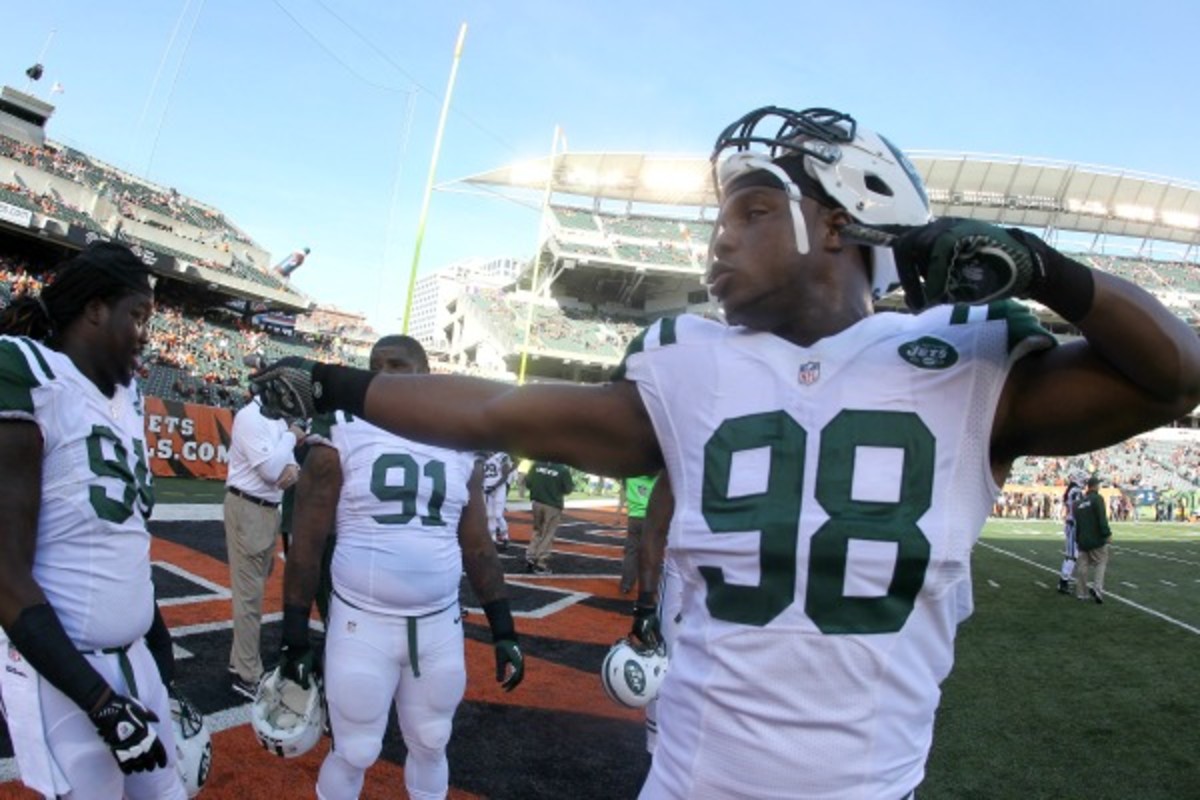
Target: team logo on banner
point(810, 371)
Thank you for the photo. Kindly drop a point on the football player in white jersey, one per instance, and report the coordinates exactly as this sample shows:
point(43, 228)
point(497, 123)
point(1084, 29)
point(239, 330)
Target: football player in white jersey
point(498, 468)
point(410, 518)
point(832, 467)
point(1075, 483)
point(86, 708)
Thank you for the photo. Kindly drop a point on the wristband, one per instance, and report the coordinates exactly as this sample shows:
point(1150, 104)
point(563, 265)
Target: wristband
point(500, 620)
point(295, 626)
point(340, 388)
point(647, 599)
point(1061, 283)
point(39, 637)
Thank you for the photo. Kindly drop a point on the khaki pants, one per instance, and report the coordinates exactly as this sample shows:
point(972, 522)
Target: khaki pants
point(545, 524)
point(1097, 558)
point(250, 531)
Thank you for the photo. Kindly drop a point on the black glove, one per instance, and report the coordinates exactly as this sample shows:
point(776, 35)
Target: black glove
point(124, 724)
point(285, 388)
point(954, 260)
point(508, 654)
point(646, 631)
point(297, 664)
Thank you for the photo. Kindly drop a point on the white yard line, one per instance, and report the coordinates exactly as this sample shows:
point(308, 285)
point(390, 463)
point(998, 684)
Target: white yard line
point(1107, 595)
point(1123, 549)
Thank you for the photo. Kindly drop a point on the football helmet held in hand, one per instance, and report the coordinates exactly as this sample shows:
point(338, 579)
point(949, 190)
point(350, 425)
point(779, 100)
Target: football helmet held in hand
point(193, 743)
point(287, 718)
point(633, 675)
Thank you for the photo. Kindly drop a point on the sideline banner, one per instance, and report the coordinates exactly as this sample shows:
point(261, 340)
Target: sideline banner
point(186, 440)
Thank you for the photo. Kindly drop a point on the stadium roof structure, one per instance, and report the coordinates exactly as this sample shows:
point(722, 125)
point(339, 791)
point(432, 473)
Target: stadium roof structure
point(1029, 192)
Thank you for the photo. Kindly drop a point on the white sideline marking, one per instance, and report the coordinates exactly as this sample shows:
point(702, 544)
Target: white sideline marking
point(993, 584)
point(1166, 582)
point(1130, 585)
point(217, 591)
point(1107, 595)
point(1042, 585)
point(1157, 555)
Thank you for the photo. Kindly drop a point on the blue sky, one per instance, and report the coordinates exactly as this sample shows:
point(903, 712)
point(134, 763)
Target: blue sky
point(311, 122)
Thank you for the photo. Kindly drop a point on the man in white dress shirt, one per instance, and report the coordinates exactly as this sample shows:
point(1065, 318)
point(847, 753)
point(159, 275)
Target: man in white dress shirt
point(261, 465)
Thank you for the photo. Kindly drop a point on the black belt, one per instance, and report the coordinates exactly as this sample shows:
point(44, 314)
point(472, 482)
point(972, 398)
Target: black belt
point(258, 501)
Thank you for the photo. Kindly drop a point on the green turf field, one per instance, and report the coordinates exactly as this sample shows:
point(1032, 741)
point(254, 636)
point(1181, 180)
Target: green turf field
point(188, 490)
point(1055, 698)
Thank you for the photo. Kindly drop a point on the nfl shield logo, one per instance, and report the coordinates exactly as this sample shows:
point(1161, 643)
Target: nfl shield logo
point(809, 372)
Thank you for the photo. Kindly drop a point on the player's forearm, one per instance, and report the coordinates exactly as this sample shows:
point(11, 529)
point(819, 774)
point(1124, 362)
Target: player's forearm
point(313, 518)
point(1150, 346)
point(659, 510)
point(601, 429)
point(485, 574)
point(650, 558)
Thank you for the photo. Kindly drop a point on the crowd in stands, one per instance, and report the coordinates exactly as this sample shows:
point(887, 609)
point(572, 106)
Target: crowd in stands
point(553, 328)
point(18, 277)
point(1049, 505)
point(130, 195)
point(125, 190)
point(1170, 466)
point(199, 357)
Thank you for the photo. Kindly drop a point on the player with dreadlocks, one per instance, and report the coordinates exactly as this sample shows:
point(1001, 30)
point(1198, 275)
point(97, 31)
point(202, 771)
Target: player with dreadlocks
point(83, 697)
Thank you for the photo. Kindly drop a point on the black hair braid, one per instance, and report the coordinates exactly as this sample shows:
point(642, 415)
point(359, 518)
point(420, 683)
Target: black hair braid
point(105, 271)
point(26, 316)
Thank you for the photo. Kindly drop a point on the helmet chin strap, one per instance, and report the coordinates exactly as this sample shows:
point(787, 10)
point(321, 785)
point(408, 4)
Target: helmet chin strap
point(743, 163)
point(793, 192)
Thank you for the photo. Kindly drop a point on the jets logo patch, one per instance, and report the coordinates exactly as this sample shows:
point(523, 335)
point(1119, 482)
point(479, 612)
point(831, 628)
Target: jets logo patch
point(929, 352)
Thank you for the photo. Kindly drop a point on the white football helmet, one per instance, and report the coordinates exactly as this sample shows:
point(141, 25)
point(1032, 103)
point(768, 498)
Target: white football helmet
point(632, 675)
point(287, 718)
point(1078, 477)
point(823, 154)
point(193, 744)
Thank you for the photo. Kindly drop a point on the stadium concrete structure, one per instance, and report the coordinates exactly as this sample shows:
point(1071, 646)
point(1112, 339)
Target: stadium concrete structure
point(623, 241)
point(625, 235)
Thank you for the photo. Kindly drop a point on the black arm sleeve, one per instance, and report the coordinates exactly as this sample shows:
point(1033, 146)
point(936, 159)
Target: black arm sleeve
point(158, 639)
point(39, 637)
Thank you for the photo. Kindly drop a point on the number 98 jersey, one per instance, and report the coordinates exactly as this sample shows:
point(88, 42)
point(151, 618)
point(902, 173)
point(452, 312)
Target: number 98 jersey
point(827, 500)
point(93, 550)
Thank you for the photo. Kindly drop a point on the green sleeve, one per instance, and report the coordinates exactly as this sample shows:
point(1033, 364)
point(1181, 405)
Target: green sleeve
point(17, 380)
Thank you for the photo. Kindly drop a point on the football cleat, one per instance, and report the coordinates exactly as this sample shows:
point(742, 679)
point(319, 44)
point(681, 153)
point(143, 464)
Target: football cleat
point(823, 154)
point(193, 743)
point(287, 718)
point(633, 675)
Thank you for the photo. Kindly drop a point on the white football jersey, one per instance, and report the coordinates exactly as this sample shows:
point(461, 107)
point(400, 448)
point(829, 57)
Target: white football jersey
point(494, 466)
point(827, 501)
point(93, 550)
point(1074, 495)
point(397, 548)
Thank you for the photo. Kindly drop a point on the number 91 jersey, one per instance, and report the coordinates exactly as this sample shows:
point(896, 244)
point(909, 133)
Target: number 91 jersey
point(93, 550)
point(827, 500)
point(397, 548)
